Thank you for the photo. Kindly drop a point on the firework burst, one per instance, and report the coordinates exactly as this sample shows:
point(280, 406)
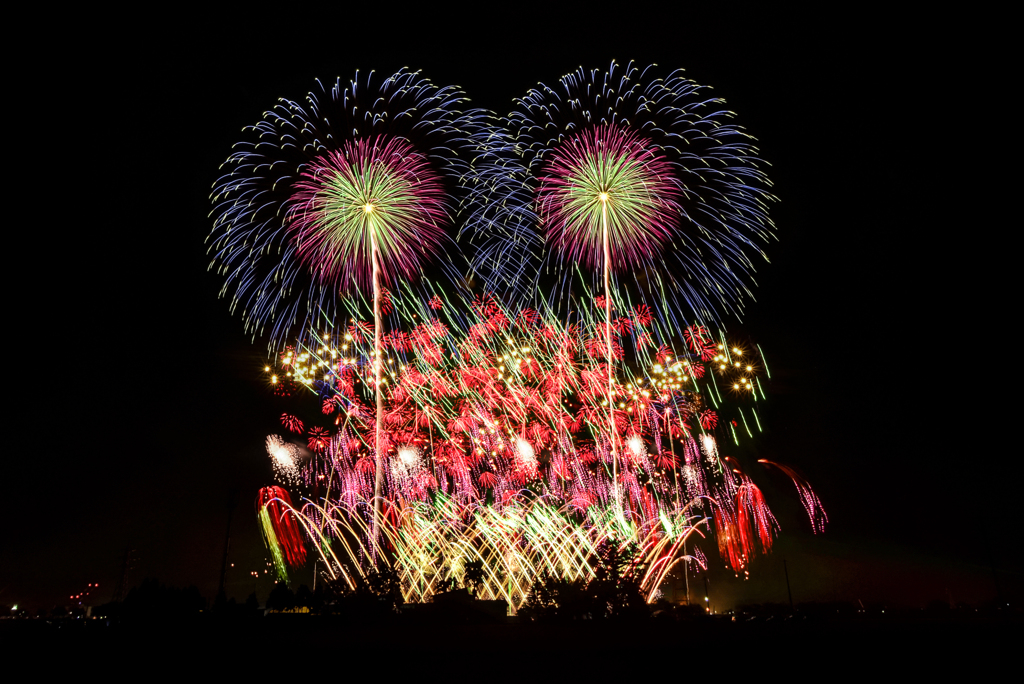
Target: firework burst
point(497, 448)
point(285, 458)
point(685, 199)
point(316, 184)
point(348, 191)
point(372, 196)
point(562, 414)
point(607, 176)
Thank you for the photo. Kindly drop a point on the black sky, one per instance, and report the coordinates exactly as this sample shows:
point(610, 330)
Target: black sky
point(145, 405)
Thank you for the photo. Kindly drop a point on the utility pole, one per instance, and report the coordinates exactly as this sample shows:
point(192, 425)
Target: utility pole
point(232, 500)
point(121, 588)
point(686, 575)
point(788, 590)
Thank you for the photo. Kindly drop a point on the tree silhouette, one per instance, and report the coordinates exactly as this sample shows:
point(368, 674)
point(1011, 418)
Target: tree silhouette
point(281, 598)
point(557, 599)
point(473, 575)
point(152, 600)
point(304, 597)
point(378, 595)
point(616, 585)
point(613, 593)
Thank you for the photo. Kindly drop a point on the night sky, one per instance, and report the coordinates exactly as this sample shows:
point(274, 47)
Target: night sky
point(145, 404)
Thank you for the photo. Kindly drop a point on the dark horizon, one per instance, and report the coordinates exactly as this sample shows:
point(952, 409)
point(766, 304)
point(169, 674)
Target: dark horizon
point(166, 411)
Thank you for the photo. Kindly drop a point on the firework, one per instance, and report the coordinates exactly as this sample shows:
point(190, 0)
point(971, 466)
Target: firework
point(433, 543)
point(280, 529)
point(811, 502)
point(642, 179)
point(349, 191)
point(532, 433)
point(291, 422)
point(374, 204)
point(319, 187)
point(286, 459)
point(496, 448)
point(607, 198)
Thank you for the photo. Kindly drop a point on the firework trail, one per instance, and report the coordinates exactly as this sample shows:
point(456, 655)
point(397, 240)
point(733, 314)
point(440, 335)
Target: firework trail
point(811, 502)
point(280, 529)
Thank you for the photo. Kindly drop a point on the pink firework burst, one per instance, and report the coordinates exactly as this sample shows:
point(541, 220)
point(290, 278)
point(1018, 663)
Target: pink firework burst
point(372, 193)
point(607, 175)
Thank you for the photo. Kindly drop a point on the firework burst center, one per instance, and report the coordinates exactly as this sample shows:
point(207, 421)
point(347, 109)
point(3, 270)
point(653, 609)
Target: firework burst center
point(608, 175)
point(370, 191)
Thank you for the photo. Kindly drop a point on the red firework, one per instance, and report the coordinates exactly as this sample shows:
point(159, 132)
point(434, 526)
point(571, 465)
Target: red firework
point(319, 438)
point(386, 306)
point(810, 500)
point(360, 331)
point(277, 503)
point(488, 420)
point(754, 520)
point(291, 422)
point(696, 336)
point(664, 354)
